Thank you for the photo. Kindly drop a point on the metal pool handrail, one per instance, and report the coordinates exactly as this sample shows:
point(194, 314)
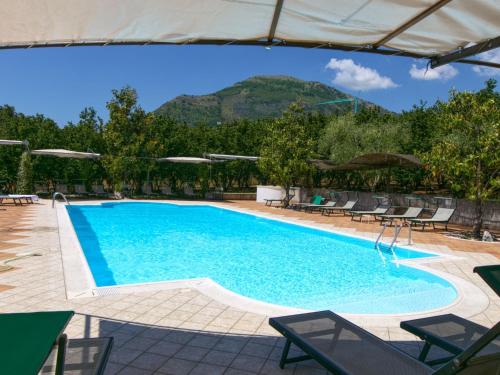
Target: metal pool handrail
point(61, 195)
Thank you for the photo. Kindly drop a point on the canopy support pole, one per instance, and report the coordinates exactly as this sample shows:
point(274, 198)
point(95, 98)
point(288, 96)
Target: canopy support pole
point(274, 23)
point(411, 22)
point(466, 52)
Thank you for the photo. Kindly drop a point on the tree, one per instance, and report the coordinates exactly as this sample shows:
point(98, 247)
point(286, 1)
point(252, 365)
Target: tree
point(25, 175)
point(285, 150)
point(466, 150)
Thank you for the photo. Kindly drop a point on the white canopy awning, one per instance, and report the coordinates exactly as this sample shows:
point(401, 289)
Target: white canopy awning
point(10, 142)
point(230, 157)
point(185, 160)
point(425, 28)
point(61, 153)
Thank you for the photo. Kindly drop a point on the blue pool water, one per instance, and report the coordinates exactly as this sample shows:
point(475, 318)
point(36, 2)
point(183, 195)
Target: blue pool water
point(264, 259)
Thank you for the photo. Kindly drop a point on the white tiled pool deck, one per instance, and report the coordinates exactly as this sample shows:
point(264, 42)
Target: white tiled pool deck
point(181, 331)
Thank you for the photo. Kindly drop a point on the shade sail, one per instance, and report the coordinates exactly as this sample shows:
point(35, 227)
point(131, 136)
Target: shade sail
point(61, 153)
point(10, 142)
point(410, 27)
point(185, 160)
point(371, 161)
point(231, 157)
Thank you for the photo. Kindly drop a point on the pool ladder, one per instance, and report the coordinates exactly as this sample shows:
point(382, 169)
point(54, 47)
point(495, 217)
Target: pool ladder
point(57, 193)
point(397, 230)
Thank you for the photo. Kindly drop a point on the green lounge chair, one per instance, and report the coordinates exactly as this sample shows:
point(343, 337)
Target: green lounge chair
point(349, 205)
point(345, 348)
point(411, 213)
point(441, 216)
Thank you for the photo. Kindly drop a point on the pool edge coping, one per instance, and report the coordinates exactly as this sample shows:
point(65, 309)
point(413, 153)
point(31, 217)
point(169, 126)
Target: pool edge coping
point(80, 282)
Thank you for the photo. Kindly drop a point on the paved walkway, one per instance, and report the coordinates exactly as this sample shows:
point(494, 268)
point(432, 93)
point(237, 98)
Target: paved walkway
point(177, 331)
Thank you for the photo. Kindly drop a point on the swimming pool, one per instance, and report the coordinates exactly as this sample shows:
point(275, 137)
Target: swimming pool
point(260, 258)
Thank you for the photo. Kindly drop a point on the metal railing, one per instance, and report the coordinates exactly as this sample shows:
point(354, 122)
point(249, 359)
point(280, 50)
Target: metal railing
point(57, 193)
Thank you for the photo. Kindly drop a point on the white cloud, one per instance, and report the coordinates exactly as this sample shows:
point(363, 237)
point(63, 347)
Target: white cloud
point(357, 77)
point(443, 73)
point(492, 56)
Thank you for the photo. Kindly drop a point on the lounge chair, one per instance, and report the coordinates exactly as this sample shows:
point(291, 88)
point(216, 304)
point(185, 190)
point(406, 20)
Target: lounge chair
point(62, 188)
point(80, 189)
point(282, 202)
point(450, 333)
point(316, 200)
point(491, 275)
point(349, 205)
point(166, 190)
point(441, 216)
point(345, 348)
point(410, 213)
point(146, 189)
point(87, 356)
point(17, 199)
point(99, 191)
point(319, 207)
point(375, 212)
point(188, 190)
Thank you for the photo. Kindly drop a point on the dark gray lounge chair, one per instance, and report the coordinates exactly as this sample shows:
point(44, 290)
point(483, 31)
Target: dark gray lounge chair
point(375, 212)
point(81, 190)
point(441, 216)
point(319, 207)
point(283, 202)
point(349, 205)
point(345, 348)
point(411, 213)
point(449, 332)
point(87, 356)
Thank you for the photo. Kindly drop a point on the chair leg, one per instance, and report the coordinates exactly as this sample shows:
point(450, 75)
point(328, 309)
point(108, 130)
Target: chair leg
point(61, 354)
point(424, 352)
point(284, 355)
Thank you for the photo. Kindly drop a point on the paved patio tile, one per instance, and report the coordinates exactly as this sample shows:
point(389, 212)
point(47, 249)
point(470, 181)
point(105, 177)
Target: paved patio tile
point(191, 353)
point(248, 363)
point(217, 357)
point(206, 369)
point(177, 366)
point(149, 361)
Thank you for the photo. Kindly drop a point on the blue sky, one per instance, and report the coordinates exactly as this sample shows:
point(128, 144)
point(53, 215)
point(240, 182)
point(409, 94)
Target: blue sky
point(60, 82)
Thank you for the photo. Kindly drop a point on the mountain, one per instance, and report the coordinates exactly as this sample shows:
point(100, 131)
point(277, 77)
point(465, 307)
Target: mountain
point(257, 97)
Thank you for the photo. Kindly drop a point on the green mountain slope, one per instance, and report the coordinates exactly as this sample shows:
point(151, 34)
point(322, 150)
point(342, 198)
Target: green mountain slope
point(256, 97)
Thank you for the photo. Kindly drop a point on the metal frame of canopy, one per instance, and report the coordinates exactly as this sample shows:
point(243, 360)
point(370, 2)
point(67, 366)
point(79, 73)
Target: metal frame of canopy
point(184, 160)
point(8, 142)
point(459, 53)
point(370, 161)
point(62, 153)
point(226, 157)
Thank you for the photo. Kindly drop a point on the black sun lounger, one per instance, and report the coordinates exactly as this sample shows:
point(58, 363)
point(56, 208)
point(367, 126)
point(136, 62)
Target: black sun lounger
point(345, 348)
point(491, 275)
point(449, 332)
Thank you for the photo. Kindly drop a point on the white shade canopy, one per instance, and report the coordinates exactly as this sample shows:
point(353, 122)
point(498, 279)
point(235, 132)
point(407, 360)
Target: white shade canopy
point(61, 153)
point(231, 157)
point(10, 142)
point(426, 28)
point(185, 160)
